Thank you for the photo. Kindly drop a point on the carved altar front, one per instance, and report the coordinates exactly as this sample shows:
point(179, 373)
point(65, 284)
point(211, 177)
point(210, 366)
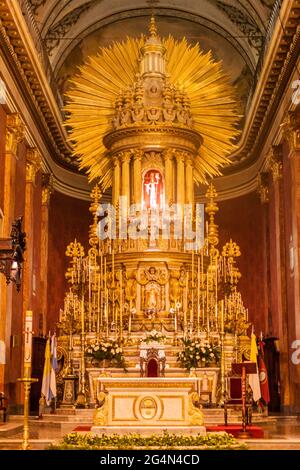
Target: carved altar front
point(143, 402)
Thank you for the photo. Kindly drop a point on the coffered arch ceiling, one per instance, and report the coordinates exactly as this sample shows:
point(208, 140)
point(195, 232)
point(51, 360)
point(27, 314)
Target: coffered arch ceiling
point(233, 29)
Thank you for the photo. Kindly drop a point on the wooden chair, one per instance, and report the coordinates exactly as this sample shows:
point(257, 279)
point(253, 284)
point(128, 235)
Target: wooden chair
point(3, 407)
point(233, 398)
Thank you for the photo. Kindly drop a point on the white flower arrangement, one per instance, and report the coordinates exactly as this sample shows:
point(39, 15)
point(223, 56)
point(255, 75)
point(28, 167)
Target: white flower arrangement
point(153, 336)
point(106, 349)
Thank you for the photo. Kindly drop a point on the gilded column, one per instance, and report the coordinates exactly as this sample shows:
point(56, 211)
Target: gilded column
point(125, 191)
point(169, 177)
point(116, 181)
point(47, 190)
point(137, 176)
point(180, 178)
point(14, 135)
point(189, 180)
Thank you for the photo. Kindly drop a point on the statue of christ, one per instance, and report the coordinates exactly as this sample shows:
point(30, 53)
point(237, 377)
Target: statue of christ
point(151, 186)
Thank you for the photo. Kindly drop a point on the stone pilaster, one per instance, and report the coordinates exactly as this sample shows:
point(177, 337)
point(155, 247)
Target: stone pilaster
point(47, 190)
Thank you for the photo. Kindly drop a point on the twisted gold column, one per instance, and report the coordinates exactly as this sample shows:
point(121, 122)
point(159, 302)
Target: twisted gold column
point(180, 179)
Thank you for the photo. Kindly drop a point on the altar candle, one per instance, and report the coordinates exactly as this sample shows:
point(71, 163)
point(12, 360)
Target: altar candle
point(82, 316)
point(222, 316)
point(113, 266)
point(28, 339)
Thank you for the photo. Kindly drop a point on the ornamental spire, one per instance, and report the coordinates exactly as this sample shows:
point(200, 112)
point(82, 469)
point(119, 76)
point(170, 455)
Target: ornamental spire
point(153, 27)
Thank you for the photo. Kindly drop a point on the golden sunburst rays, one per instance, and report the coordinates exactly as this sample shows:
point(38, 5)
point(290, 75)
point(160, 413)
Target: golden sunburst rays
point(213, 104)
point(91, 104)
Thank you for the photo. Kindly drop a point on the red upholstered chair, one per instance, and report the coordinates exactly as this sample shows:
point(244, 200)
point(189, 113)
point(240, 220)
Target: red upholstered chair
point(233, 398)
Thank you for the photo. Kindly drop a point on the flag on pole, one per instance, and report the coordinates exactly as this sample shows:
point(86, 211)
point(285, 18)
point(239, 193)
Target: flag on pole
point(254, 378)
point(263, 375)
point(46, 390)
point(54, 366)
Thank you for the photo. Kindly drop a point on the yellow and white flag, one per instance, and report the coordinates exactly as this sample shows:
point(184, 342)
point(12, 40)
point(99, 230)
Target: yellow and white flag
point(46, 384)
point(254, 378)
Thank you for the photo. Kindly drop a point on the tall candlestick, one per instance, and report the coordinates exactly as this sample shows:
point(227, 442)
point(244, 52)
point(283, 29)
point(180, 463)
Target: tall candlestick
point(28, 340)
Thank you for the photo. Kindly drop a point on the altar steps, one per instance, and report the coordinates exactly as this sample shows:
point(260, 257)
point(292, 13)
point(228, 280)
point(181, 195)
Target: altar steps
point(212, 416)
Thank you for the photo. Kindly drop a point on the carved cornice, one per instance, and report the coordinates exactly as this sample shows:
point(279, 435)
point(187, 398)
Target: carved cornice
point(263, 187)
point(33, 164)
point(47, 188)
point(14, 133)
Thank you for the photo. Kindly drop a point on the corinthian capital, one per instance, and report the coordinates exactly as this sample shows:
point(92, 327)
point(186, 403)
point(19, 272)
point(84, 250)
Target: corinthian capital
point(33, 164)
point(47, 188)
point(125, 156)
point(291, 129)
point(274, 162)
point(14, 132)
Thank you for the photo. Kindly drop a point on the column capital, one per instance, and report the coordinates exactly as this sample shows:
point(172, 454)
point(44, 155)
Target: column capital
point(180, 156)
point(15, 130)
point(168, 154)
point(116, 160)
point(33, 164)
point(291, 129)
point(274, 162)
point(125, 156)
point(263, 187)
point(47, 188)
point(137, 154)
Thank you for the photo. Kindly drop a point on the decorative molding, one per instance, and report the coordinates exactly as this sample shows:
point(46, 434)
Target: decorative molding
point(33, 164)
point(36, 4)
point(57, 32)
point(14, 133)
point(245, 24)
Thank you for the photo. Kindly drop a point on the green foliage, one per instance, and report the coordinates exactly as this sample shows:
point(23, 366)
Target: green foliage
point(210, 441)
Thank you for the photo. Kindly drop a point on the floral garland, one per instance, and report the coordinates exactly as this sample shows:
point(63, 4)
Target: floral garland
point(198, 354)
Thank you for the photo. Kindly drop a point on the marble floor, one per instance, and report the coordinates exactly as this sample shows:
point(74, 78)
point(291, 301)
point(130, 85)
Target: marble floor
point(280, 433)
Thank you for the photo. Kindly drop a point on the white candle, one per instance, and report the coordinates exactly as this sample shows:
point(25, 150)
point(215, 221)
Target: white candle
point(28, 338)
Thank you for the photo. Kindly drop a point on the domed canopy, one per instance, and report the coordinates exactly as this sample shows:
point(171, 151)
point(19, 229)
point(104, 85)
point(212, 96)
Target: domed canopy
point(152, 86)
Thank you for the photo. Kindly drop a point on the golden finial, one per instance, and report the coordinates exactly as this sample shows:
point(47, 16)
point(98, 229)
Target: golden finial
point(211, 209)
point(75, 250)
point(153, 27)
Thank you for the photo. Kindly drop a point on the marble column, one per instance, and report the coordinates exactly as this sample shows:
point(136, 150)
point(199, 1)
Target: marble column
point(137, 176)
point(169, 176)
point(180, 178)
point(47, 190)
point(116, 180)
point(125, 190)
point(14, 135)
